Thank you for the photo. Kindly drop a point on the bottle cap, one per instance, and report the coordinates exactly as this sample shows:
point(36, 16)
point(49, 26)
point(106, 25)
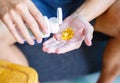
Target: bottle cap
point(55, 22)
point(59, 15)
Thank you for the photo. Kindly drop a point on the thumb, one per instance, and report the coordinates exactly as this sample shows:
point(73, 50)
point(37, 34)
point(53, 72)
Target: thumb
point(88, 34)
point(108, 75)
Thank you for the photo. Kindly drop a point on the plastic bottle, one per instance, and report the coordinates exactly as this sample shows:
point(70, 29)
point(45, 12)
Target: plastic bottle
point(53, 24)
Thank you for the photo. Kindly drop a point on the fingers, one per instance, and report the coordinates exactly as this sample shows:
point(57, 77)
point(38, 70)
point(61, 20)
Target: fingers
point(73, 44)
point(88, 34)
point(21, 27)
point(49, 41)
point(51, 45)
point(57, 36)
point(67, 47)
point(21, 13)
point(39, 18)
point(59, 47)
point(31, 22)
point(8, 21)
point(79, 25)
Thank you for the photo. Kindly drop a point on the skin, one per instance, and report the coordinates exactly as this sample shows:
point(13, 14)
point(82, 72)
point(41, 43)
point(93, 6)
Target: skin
point(83, 15)
point(16, 14)
point(109, 23)
point(81, 33)
point(9, 52)
point(79, 21)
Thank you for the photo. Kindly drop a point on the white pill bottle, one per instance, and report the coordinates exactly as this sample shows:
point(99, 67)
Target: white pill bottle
point(53, 24)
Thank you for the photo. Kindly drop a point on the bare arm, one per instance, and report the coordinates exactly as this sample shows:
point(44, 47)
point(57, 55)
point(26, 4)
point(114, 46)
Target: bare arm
point(93, 8)
point(79, 22)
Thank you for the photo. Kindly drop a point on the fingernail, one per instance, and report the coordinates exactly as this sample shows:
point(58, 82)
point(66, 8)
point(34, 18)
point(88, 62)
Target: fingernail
point(89, 43)
point(21, 41)
point(32, 43)
point(39, 40)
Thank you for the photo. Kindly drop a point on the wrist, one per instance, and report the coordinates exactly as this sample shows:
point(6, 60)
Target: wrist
point(77, 15)
point(81, 14)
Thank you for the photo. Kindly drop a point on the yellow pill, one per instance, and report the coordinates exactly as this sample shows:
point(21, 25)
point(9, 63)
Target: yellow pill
point(67, 34)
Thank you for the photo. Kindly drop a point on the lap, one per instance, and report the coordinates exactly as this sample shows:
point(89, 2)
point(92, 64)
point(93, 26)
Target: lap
point(5, 35)
point(76, 63)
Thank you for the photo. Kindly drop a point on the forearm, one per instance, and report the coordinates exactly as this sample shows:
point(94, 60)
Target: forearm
point(93, 8)
point(109, 22)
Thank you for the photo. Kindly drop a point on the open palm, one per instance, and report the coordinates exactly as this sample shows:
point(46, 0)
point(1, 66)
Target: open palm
point(82, 30)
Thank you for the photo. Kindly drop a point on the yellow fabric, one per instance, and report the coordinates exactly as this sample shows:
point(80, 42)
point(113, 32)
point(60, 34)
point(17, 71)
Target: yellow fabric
point(14, 73)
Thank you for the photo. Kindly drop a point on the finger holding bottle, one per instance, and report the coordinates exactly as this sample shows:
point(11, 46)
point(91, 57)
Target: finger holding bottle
point(17, 14)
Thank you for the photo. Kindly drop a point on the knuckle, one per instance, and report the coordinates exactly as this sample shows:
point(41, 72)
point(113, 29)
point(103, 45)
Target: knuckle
point(23, 32)
point(4, 17)
point(12, 30)
point(19, 7)
point(32, 24)
point(37, 15)
point(3, 14)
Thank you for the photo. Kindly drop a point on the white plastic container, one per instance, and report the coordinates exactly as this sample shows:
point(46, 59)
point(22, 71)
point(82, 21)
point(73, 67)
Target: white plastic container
point(53, 24)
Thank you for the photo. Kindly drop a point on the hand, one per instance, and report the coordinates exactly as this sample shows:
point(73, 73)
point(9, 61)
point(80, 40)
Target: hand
point(83, 30)
point(16, 13)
